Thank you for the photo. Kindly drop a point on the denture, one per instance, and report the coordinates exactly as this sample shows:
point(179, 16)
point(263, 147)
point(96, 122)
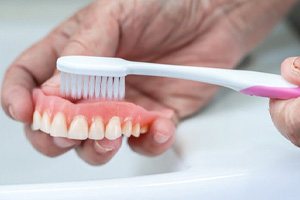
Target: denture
point(93, 119)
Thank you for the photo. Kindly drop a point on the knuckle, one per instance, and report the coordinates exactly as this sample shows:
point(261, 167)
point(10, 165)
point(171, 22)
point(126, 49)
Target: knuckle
point(77, 46)
point(80, 15)
point(79, 43)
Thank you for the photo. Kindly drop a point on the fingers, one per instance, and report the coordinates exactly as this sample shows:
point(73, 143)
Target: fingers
point(24, 74)
point(29, 70)
point(93, 152)
point(96, 36)
point(48, 145)
point(159, 138)
point(161, 133)
point(290, 70)
point(32, 68)
point(285, 113)
point(98, 152)
point(16, 93)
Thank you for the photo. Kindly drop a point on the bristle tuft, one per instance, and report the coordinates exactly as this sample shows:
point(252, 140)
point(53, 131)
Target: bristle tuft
point(92, 87)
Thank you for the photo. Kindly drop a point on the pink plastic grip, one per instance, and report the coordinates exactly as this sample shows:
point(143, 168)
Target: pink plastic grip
point(272, 92)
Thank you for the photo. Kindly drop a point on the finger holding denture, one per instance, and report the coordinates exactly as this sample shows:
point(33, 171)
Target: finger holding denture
point(89, 119)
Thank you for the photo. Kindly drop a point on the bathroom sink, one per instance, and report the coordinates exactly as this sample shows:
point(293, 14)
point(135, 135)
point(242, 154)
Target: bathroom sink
point(230, 150)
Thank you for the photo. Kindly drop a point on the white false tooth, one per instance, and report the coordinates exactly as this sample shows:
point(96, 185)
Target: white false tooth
point(97, 129)
point(144, 129)
point(78, 129)
point(136, 130)
point(45, 125)
point(113, 129)
point(59, 126)
point(36, 121)
point(127, 128)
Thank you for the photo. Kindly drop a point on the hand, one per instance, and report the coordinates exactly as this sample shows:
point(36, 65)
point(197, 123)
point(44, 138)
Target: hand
point(203, 33)
point(285, 113)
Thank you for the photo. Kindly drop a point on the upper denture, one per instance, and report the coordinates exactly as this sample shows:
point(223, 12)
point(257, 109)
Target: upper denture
point(105, 109)
point(83, 118)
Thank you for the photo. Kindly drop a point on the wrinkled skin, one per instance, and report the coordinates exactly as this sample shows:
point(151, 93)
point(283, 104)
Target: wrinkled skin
point(201, 32)
point(285, 113)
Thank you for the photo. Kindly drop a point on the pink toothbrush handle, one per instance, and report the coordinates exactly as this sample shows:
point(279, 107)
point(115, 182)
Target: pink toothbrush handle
point(272, 92)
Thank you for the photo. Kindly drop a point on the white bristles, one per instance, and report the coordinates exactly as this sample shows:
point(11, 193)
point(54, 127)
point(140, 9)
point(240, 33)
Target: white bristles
point(116, 88)
point(109, 87)
point(79, 87)
point(97, 87)
point(65, 84)
point(62, 83)
point(122, 87)
point(85, 86)
point(103, 86)
point(92, 87)
point(73, 86)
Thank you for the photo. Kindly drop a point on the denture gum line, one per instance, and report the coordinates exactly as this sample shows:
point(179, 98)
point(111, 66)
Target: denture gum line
point(80, 128)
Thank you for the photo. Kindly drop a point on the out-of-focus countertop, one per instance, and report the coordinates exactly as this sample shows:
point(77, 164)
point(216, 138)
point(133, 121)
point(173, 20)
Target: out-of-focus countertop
point(232, 143)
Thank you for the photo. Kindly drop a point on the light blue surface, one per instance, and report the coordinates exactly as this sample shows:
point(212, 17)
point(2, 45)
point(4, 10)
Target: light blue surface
point(229, 151)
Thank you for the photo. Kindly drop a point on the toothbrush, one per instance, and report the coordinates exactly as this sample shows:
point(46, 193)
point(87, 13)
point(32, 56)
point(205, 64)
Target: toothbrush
point(104, 77)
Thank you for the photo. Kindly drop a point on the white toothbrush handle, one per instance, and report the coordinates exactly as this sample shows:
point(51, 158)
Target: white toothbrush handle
point(234, 79)
point(248, 82)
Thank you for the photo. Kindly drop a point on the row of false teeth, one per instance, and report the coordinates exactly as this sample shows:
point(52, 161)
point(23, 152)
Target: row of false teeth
point(79, 128)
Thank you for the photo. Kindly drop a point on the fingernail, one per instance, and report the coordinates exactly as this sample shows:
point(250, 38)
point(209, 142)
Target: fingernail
point(63, 142)
point(161, 138)
point(296, 62)
point(101, 148)
point(11, 112)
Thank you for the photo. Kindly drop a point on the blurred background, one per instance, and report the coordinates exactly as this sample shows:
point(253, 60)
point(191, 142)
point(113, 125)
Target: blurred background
point(21, 24)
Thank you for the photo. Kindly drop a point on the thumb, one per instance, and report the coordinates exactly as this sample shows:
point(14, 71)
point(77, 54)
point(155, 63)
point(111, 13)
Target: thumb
point(284, 113)
point(290, 70)
point(97, 36)
point(285, 116)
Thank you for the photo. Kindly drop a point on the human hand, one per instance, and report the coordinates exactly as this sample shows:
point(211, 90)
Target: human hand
point(285, 113)
point(201, 33)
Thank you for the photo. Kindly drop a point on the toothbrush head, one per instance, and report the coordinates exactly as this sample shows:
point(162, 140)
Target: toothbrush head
point(92, 78)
